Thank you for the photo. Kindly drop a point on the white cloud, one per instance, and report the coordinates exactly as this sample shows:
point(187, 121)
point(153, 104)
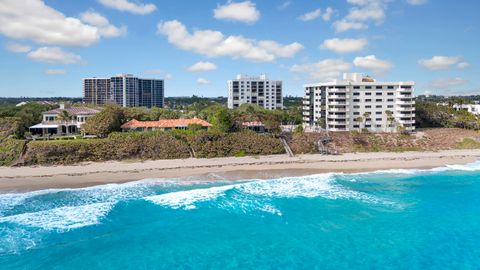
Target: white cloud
point(362, 12)
point(54, 55)
point(202, 67)
point(310, 16)
point(417, 2)
point(242, 11)
point(463, 65)
point(284, 5)
point(18, 48)
point(344, 25)
point(371, 62)
point(105, 28)
point(325, 70)
point(215, 44)
point(345, 45)
point(127, 6)
point(439, 62)
point(202, 81)
point(327, 15)
point(55, 71)
point(33, 20)
point(447, 83)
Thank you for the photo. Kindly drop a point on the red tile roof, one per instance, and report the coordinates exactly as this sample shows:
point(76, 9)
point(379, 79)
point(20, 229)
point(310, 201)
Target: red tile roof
point(165, 123)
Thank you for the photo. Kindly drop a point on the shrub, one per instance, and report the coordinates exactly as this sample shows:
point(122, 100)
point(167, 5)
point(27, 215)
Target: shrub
point(10, 150)
point(208, 145)
point(118, 146)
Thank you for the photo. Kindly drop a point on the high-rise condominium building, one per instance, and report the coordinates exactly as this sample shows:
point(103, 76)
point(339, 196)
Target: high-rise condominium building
point(124, 90)
point(255, 90)
point(360, 102)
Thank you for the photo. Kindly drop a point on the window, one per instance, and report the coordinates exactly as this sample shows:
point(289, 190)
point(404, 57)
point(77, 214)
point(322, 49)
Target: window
point(390, 106)
point(368, 107)
point(406, 87)
point(378, 106)
point(356, 87)
point(356, 100)
point(379, 126)
point(368, 87)
point(356, 107)
point(390, 93)
point(368, 126)
point(390, 100)
point(378, 113)
point(378, 93)
point(368, 100)
point(378, 119)
point(356, 126)
point(356, 94)
point(379, 100)
point(390, 87)
point(368, 94)
point(379, 87)
point(356, 113)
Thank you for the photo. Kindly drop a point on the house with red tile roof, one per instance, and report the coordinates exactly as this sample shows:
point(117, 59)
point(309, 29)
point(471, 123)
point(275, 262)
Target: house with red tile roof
point(164, 124)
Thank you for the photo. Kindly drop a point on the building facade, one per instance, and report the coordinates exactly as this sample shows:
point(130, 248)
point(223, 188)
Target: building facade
point(63, 121)
point(255, 90)
point(359, 102)
point(124, 90)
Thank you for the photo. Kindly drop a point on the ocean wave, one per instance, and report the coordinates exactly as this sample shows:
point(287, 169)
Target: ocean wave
point(62, 218)
point(257, 194)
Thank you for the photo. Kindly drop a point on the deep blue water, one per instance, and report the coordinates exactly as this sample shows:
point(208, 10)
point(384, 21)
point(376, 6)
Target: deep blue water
point(400, 219)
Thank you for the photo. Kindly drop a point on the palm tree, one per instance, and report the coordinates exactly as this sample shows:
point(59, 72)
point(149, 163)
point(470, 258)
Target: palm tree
point(64, 117)
point(359, 120)
point(390, 119)
point(366, 116)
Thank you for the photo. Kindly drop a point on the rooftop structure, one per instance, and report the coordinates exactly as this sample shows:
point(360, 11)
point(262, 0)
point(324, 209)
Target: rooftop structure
point(164, 124)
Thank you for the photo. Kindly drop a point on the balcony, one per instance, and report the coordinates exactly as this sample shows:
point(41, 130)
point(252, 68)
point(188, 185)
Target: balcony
point(333, 116)
point(406, 121)
point(336, 90)
point(333, 103)
point(404, 102)
point(333, 96)
point(403, 109)
point(338, 109)
point(412, 115)
point(337, 123)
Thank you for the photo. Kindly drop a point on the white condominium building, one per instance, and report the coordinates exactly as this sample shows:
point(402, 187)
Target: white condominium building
point(255, 90)
point(359, 102)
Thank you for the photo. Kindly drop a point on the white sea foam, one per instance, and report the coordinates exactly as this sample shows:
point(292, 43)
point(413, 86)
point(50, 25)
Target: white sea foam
point(187, 199)
point(256, 195)
point(62, 218)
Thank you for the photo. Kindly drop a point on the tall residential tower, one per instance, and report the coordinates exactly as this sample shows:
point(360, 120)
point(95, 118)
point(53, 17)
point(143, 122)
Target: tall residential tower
point(124, 90)
point(255, 90)
point(360, 102)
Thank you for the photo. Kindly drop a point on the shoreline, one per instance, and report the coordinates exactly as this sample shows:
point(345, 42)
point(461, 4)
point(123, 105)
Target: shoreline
point(19, 179)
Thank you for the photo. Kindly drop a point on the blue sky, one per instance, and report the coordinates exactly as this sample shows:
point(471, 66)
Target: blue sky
point(48, 46)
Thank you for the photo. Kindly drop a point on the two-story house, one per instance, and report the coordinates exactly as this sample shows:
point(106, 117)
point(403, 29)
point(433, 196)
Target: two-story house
point(63, 121)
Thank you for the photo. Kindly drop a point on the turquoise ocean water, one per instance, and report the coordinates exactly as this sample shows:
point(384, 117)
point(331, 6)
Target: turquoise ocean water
point(398, 219)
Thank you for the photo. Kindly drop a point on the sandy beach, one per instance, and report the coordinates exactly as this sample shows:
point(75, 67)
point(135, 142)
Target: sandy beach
point(264, 167)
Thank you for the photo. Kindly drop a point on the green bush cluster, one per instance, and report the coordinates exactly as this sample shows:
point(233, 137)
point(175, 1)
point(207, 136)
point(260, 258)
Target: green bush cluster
point(207, 145)
point(10, 150)
point(118, 146)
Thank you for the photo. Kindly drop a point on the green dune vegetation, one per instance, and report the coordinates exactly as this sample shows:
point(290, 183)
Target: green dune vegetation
point(439, 128)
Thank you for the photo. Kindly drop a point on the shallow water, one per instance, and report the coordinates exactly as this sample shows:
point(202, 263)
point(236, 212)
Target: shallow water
point(397, 219)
